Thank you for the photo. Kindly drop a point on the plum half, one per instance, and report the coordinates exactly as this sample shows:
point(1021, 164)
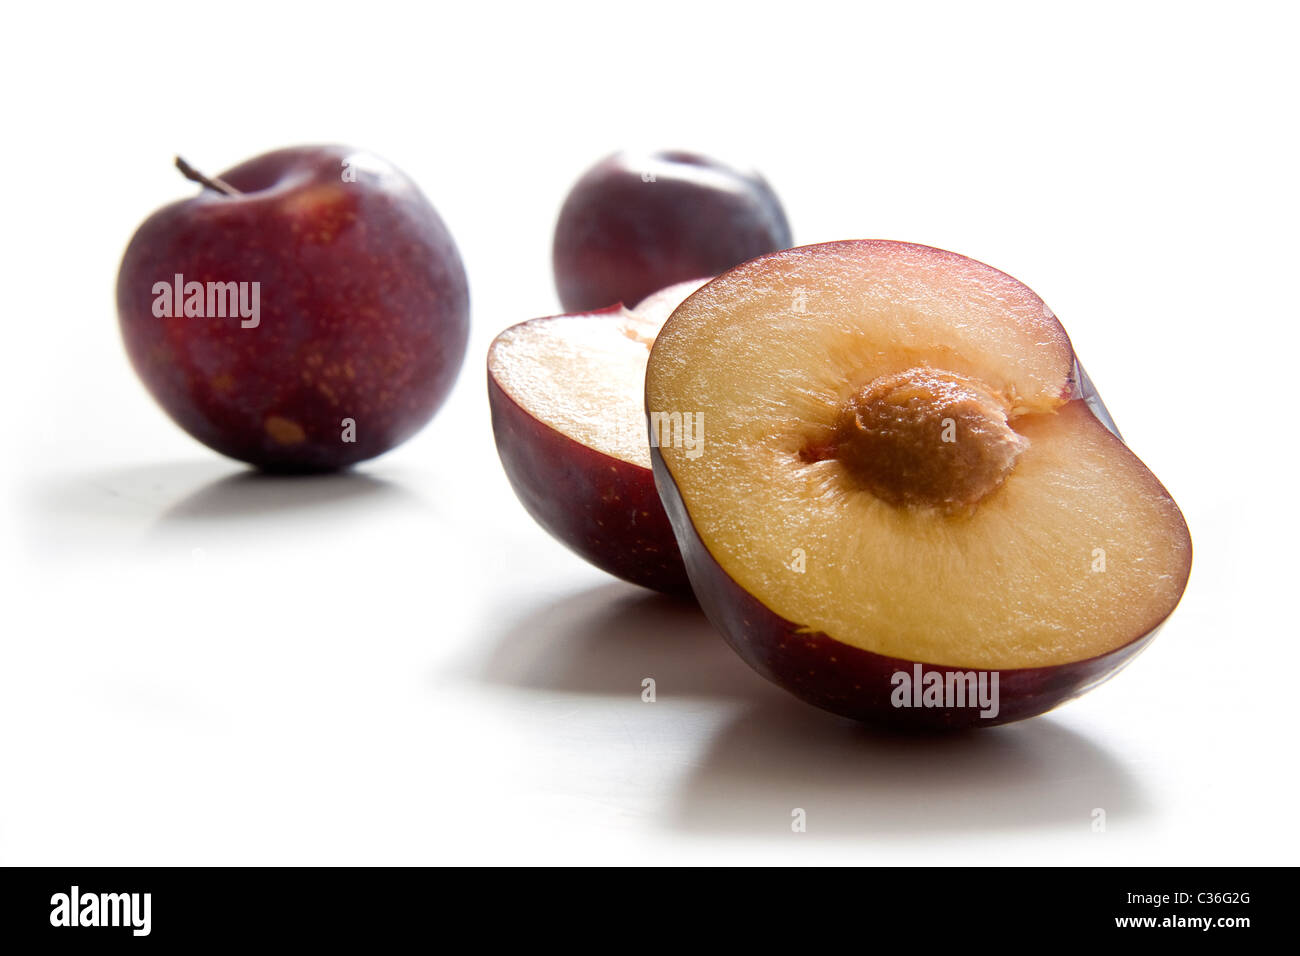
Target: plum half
point(566, 394)
point(907, 487)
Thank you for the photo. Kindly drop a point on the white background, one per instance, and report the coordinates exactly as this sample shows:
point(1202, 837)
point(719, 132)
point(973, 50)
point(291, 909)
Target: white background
point(397, 665)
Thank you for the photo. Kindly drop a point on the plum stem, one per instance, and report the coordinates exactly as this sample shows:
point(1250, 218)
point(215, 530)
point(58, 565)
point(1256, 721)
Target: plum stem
point(211, 182)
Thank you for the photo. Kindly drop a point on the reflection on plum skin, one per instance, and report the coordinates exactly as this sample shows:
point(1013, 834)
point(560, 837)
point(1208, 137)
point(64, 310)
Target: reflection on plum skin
point(608, 639)
point(853, 781)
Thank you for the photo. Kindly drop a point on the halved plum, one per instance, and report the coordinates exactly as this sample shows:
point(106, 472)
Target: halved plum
point(907, 491)
point(566, 394)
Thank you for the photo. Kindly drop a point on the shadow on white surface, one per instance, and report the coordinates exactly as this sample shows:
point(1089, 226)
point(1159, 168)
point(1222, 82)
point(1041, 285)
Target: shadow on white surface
point(606, 640)
point(775, 753)
point(142, 489)
point(154, 509)
point(180, 491)
point(851, 781)
point(253, 494)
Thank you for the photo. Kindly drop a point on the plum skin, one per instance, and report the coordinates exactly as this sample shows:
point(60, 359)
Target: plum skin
point(364, 311)
point(620, 238)
point(604, 509)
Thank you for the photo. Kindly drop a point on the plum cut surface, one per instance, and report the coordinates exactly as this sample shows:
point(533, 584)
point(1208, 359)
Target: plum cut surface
point(582, 375)
point(1047, 543)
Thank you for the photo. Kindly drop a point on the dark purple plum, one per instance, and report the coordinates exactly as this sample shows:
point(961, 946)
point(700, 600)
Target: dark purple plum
point(321, 314)
point(639, 222)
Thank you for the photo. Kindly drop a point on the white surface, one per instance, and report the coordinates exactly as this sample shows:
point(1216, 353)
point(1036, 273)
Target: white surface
point(397, 665)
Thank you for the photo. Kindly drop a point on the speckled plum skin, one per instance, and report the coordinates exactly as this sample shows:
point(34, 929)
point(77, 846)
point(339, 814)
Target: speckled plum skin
point(620, 237)
point(602, 508)
point(857, 684)
point(364, 310)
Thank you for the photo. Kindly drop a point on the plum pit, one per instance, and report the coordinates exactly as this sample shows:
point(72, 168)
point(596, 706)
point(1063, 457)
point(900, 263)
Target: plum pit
point(926, 437)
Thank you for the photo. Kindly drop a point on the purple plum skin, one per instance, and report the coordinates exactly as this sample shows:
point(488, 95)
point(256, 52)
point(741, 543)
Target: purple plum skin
point(364, 310)
point(621, 237)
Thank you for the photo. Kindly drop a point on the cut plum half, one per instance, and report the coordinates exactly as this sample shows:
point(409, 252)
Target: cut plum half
point(567, 397)
point(904, 471)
